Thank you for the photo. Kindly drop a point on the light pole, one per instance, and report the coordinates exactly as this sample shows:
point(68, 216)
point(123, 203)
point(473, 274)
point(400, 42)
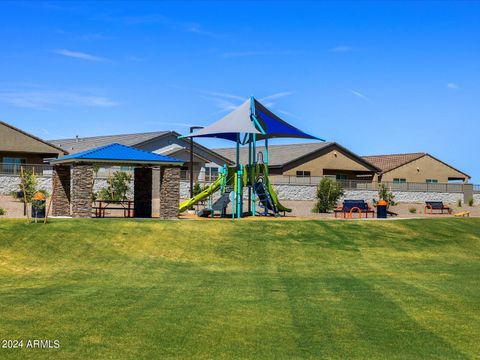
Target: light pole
point(191, 158)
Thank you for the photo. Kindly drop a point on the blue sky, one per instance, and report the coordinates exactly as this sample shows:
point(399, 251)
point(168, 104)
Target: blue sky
point(377, 77)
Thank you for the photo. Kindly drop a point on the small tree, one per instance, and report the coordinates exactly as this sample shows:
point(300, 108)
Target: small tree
point(197, 189)
point(385, 194)
point(28, 187)
point(328, 193)
point(117, 188)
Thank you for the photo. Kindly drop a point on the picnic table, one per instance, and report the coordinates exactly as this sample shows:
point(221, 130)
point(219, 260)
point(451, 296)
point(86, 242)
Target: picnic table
point(123, 205)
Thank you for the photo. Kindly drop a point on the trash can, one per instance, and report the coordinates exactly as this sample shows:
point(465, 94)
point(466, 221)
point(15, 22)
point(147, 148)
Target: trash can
point(382, 209)
point(38, 205)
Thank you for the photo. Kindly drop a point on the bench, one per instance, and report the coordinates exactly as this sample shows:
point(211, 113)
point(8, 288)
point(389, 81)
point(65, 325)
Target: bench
point(354, 206)
point(436, 206)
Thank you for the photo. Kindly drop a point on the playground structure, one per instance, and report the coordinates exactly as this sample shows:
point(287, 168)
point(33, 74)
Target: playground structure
point(249, 123)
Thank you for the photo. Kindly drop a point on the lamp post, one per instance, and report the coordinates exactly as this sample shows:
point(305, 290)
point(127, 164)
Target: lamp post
point(191, 158)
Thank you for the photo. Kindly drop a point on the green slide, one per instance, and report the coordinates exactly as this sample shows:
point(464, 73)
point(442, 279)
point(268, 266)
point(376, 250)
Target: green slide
point(272, 192)
point(274, 197)
point(206, 192)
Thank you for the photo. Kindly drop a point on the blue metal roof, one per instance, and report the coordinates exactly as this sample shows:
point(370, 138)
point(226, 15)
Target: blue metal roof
point(118, 153)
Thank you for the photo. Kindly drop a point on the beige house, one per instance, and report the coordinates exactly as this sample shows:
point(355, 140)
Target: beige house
point(311, 159)
point(18, 147)
point(206, 163)
point(332, 159)
point(415, 167)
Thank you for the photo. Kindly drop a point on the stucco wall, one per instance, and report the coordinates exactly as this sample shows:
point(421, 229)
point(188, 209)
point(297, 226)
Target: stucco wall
point(422, 169)
point(335, 159)
point(13, 140)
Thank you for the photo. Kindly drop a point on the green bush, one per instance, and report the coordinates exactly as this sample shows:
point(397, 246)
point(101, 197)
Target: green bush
point(328, 193)
point(459, 203)
point(385, 194)
point(117, 189)
point(3, 211)
point(412, 210)
point(197, 189)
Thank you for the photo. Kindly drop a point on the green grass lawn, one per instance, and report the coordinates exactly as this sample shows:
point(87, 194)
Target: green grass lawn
point(247, 289)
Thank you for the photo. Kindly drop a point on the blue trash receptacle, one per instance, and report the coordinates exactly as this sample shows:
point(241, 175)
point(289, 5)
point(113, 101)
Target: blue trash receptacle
point(382, 209)
point(38, 205)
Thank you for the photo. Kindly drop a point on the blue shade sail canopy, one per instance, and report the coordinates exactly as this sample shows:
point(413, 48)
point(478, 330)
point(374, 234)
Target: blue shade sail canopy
point(118, 154)
point(264, 124)
point(275, 127)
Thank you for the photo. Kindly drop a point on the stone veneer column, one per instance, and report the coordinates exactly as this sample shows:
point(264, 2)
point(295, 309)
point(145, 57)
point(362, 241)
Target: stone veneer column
point(82, 183)
point(142, 192)
point(169, 192)
point(61, 190)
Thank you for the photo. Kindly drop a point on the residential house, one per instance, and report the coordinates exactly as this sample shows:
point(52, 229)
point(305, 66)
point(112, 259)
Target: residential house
point(309, 160)
point(206, 163)
point(416, 168)
point(19, 148)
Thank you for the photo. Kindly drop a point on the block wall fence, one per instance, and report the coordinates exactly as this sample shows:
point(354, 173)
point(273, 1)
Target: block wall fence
point(9, 183)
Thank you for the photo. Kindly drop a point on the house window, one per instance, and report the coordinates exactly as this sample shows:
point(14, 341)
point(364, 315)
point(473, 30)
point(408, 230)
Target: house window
point(432, 181)
point(303, 173)
point(211, 173)
point(184, 173)
point(12, 165)
point(341, 177)
point(399, 180)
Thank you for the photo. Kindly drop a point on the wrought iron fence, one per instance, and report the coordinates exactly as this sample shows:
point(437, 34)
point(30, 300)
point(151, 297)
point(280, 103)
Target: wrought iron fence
point(203, 177)
point(16, 169)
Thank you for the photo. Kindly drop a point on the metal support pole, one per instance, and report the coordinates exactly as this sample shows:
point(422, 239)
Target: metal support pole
point(191, 158)
point(249, 176)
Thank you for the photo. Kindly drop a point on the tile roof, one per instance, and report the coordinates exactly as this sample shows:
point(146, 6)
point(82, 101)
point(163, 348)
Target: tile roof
point(278, 155)
point(393, 161)
point(75, 145)
point(118, 153)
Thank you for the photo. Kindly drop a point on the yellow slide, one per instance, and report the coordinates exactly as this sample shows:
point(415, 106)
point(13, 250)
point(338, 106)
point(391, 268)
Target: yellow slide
point(205, 193)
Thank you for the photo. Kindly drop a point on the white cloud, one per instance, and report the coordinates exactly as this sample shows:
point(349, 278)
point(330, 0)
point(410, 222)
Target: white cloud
point(94, 37)
point(79, 55)
point(453, 86)
point(47, 99)
point(276, 96)
point(189, 27)
point(236, 54)
point(360, 95)
point(341, 49)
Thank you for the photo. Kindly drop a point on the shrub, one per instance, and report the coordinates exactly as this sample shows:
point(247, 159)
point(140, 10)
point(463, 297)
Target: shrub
point(328, 193)
point(3, 211)
point(197, 189)
point(470, 202)
point(412, 210)
point(459, 203)
point(28, 186)
point(385, 194)
point(118, 186)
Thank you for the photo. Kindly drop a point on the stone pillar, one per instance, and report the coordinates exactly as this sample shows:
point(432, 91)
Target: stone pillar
point(82, 186)
point(61, 190)
point(169, 192)
point(142, 193)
